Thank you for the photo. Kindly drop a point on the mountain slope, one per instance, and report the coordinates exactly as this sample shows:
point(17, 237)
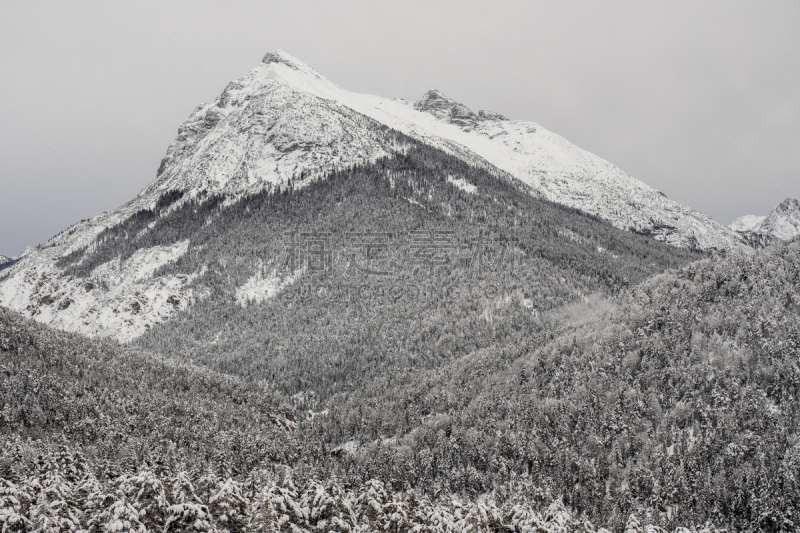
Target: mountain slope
point(551, 166)
point(561, 172)
point(284, 126)
point(123, 404)
point(498, 257)
point(679, 397)
point(781, 224)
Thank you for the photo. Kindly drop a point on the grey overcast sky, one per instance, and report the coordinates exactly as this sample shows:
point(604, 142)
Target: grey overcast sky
point(696, 98)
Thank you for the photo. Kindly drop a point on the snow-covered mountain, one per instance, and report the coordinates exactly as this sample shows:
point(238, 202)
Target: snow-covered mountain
point(284, 121)
point(747, 223)
point(782, 223)
point(284, 125)
point(4, 260)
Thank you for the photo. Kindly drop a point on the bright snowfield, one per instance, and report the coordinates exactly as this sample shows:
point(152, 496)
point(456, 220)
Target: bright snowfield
point(747, 223)
point(284, 122)
point(783, 222)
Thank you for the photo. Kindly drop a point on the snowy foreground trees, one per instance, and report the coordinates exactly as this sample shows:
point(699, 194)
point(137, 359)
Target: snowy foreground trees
point(58, 492)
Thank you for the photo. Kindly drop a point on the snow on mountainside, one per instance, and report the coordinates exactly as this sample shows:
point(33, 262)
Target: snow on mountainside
point(782, 223)
point(283, 123)
point(4, 260)
point(561, 172)
point(747, 223)
point(121, 299)
point(284, 119)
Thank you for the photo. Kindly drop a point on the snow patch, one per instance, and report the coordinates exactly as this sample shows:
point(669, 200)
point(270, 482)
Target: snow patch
point(142, 264)
point(604, 251)
point(462, 184)
point(260, 288)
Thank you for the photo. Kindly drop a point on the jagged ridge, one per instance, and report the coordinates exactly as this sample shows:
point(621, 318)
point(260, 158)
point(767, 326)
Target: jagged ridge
point(781, 224)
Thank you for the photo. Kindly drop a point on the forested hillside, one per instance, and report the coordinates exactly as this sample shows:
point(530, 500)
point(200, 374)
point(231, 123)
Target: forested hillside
point(95, 438)
point(129, 408)
point(58, 490)
point(676, 401)
point(411, 345)
point(293, 298)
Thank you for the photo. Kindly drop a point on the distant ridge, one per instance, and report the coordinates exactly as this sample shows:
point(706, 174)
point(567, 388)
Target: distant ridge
point(781, 224)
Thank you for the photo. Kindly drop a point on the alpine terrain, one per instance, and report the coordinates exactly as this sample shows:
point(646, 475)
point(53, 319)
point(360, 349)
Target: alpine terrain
point(338, 312)
point(284, 125)
point(781, 224)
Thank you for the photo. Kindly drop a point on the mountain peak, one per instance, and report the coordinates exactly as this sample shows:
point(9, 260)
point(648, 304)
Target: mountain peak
point(784, 221)
point(436, 94)
point(781, 223)
point(445, 109)
point(747, 223)
point(434, 101)
point(789, 205)
point(281, 127)
point(280, 56)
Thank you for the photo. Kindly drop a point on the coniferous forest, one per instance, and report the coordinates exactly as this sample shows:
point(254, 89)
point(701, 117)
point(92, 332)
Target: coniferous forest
point(413, 355)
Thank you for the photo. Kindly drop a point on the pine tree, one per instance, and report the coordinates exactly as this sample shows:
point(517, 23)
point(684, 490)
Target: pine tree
point(14, 506)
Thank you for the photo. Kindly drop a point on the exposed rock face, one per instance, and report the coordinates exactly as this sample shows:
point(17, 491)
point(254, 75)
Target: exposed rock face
point(448, 110)
point(444, 108)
